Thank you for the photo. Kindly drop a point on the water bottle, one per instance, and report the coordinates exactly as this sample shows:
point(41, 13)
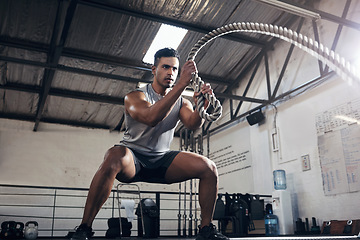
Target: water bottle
point(279, 179)
point(271, 224)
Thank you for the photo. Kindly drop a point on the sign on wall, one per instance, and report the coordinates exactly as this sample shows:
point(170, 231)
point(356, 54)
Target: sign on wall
point(231, 151)
point(338, 132)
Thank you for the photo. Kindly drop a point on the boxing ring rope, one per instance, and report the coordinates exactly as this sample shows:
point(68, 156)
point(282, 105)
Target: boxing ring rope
point(316, 49)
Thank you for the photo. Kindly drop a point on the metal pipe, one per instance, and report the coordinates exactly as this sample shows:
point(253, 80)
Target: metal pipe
point(53, 216)
point(192, 149)
point(179, 213)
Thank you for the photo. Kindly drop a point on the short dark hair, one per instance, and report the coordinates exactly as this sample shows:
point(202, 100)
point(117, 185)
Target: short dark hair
point(165, 52)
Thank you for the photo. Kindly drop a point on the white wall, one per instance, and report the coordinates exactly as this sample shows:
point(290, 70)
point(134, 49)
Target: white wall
point(296, 121)
point(55, 155)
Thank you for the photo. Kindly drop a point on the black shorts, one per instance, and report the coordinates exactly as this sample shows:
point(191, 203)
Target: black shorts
point(152, 175)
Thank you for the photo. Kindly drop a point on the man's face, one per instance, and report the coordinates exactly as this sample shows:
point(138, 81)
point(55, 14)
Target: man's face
point(165, 73)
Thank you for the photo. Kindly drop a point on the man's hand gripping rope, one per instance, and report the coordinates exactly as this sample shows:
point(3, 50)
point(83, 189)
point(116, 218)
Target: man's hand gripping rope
point(196, 84)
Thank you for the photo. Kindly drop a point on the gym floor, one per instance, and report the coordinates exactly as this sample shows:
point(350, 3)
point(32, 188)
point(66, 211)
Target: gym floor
point(241, 238)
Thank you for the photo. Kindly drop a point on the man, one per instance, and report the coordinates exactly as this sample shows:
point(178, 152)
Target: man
point(151, 115)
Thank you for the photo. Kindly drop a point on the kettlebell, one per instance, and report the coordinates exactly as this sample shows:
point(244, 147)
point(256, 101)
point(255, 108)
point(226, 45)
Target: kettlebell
point(19, 230)
point(31, 230)
point(4, 230)
point(8, 230)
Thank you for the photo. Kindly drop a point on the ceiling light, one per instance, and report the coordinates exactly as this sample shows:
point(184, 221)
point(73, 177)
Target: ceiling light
point(291, 9)
point(167, 36)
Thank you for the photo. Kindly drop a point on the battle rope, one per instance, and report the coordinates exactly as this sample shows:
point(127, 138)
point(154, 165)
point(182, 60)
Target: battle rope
point(332, 59)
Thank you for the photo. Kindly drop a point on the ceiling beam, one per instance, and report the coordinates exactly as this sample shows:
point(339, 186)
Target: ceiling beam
point(161, 19)
point(24, 44)
point(327, 16)
point(248, 85)
point(90, 56)
point(54, 55)
point(317, 38)
point(70, 69)
point(286, 62)
point(239, 98)
point(31, 118)
point(65, 93)
point(310, 83)
point(73, 53)
point(339, 29)
point(106, 59)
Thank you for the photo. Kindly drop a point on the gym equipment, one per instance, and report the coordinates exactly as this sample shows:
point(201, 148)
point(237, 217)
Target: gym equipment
point(31, 230)
point(240, 209)
point(12, 230)
point(348, 227)
point(342, 67)
point(200, 151)
point(221, 215)
point(114, 228)
point(179, 213)
point(196, 84)
point(329, 57)
point(8, 230)
point(315, 229)
point(139, 210)
point(150, 218)
point(192, 149)
point(186, 216)
point(327, 228)
point(186, 141)
point(233, 215)
point(341, 227)
point(300, 227)
point(19, 230)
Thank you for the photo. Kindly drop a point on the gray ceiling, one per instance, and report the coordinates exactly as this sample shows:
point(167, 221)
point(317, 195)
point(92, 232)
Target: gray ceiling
point(72, 62)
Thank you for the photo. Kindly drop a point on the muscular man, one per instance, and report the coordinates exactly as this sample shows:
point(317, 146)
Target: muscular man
point(151, 115)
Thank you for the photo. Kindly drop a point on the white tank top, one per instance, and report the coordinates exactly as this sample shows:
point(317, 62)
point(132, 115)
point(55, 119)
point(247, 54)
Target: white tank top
point(151, 141)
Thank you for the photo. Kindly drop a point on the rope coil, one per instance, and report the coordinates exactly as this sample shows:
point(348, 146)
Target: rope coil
point(196, 84)
point(342, 67)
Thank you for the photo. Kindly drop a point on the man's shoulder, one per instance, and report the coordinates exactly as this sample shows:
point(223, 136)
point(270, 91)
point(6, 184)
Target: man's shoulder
point(136, 92)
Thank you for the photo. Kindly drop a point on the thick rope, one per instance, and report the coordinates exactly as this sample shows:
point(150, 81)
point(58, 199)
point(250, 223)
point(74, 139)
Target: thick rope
point(196, 84)
point(332, 59)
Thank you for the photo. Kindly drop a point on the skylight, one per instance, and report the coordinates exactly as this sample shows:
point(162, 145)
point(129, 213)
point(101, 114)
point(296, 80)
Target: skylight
point(167, 36)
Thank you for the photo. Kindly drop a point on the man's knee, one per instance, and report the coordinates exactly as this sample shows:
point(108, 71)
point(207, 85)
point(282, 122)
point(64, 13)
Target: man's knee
point(115, 159)
point(211, 168)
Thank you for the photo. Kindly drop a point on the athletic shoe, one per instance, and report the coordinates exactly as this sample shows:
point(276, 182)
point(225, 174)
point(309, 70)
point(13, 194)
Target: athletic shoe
point(210, 232)
point(83, 232)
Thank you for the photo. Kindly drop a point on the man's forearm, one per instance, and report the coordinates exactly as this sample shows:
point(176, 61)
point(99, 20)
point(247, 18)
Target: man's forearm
point(161, 108)
point(195, 121)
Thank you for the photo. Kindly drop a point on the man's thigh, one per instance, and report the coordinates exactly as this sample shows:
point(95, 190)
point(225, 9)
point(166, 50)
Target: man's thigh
point(187, 165)
point(124, 157)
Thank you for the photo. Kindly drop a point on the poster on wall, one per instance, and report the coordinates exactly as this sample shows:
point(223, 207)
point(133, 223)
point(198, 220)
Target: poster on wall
point(338, 132)
point(231, 152)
